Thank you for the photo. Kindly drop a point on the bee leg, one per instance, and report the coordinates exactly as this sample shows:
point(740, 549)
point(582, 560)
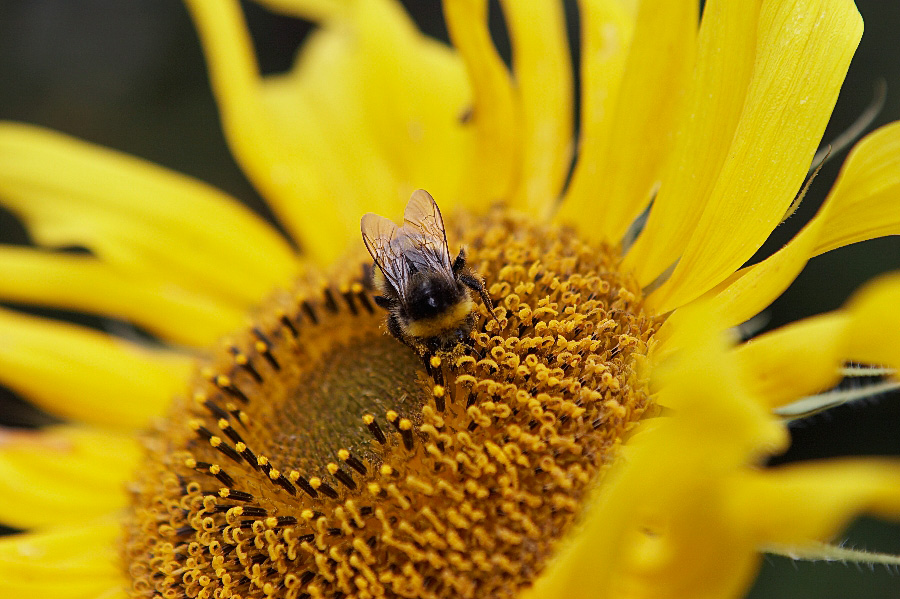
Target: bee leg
point(382, 302)
point(460, 262)
point(475, 284)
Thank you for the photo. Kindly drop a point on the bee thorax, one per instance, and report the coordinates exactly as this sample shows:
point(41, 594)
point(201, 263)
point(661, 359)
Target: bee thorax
point(452, 318)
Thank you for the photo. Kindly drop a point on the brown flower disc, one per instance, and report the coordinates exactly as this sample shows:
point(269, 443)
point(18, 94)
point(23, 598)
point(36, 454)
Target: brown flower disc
point(317, 456)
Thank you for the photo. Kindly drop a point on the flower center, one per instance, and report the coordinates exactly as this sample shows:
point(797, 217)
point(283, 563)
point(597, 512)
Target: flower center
point(317, 456)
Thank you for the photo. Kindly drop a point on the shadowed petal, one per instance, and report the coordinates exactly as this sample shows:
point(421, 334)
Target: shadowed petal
point(615, 175)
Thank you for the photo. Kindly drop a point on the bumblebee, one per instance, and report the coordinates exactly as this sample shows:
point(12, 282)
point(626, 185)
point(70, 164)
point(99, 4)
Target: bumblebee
point(428, 297)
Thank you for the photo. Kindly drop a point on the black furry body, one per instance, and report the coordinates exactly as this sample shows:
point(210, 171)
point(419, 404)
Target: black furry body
point(441, 306)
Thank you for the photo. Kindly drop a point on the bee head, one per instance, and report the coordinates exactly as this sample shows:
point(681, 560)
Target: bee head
point(429, 296)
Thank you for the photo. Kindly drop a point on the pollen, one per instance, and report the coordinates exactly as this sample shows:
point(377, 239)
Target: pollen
point(315, 456)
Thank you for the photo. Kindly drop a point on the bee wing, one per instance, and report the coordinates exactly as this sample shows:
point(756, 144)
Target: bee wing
point(383, 240)
point(423, 228)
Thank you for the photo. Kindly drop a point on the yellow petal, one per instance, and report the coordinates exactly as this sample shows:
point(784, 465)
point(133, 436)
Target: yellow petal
point(84, 283)
point(252, 133)
point(862, 205)
point(310, 9)
point(607, 27)
point(64, 475)
point(866, 330)
point(865, 202)
point(73, 562)
point(612, 182)
point(88, 376)
point(795, 360)
point(376, 105)
point(139, 216)
point(495, 153)
point(368, 114)
point(797, 504)
point(871, 336)
point(543, 74)
point(715, 97)
point(804, 49)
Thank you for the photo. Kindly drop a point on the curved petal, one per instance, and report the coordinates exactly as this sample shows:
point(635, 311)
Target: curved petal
point(368, 114)
point(866, 330)
point(715, 97)
point(86, 284)
point(614, 177)
point(76, 373)
point(74, 562)
point(863, 205)
point(64, 475)
point(804, 49)
point(495, 152)
point(795, 360)
point(543, 73)
point(797, 504)
point(139, 216)
point(865, 201)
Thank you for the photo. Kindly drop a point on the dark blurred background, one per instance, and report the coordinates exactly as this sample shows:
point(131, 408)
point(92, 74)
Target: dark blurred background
point(129, 74)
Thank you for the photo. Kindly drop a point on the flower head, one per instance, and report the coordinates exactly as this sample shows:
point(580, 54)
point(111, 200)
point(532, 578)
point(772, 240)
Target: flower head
point(597, 433)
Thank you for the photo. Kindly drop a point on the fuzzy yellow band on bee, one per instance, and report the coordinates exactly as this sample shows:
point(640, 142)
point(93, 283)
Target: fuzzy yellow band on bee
point(431, 327)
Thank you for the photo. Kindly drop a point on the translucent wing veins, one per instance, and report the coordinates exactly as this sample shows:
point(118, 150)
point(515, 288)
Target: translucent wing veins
point(420, 244)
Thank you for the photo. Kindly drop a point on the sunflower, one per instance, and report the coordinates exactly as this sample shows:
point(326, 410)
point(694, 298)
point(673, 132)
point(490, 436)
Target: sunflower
point(601, 432)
